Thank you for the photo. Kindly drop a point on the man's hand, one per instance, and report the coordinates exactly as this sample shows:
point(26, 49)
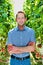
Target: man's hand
point(33, 45)
point(13, 49)
point(10, 47)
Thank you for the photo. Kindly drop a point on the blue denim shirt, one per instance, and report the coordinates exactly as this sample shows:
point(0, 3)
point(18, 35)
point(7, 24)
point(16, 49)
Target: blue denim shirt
point(21, 38)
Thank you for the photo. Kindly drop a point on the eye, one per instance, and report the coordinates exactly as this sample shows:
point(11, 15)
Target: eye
point(22, 17)
point(18, 17)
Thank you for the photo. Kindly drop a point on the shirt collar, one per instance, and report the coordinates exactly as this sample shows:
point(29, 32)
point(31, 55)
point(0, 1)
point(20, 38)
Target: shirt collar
point(21, 30)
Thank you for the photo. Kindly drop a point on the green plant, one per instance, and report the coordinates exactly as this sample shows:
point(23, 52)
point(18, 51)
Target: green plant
point(34, 13)
point(7, 22)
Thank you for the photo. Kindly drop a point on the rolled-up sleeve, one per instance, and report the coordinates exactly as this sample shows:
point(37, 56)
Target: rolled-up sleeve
point(9, 40)
point(32, 38)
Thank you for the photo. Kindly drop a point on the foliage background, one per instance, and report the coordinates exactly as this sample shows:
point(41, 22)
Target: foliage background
point(7, 22)
point(34, 13)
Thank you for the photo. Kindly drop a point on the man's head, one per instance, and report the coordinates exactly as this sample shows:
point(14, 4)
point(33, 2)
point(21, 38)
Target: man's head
point(20, 18)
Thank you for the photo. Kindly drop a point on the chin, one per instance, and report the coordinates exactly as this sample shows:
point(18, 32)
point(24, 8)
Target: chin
point(21, 25)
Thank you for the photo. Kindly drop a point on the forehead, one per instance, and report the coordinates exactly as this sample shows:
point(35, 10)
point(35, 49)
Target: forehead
point(20, 15)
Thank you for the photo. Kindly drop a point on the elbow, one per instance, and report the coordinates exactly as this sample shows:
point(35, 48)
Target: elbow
point(33, 50)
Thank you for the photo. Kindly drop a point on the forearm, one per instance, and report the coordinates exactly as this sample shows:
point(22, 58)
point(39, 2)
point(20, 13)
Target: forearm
point(27, 49)
point(18, 50)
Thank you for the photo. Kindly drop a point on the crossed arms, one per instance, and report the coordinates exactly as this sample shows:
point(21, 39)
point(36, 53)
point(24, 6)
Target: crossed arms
point(17, 50)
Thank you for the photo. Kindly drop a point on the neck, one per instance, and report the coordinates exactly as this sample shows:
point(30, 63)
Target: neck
point(21, 27)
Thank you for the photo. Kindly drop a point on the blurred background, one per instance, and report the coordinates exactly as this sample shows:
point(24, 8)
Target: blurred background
point(34, 13)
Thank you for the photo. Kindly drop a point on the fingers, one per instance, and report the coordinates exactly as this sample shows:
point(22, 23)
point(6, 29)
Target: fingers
point(10, 48)
point(13, 49)
point(10, 52)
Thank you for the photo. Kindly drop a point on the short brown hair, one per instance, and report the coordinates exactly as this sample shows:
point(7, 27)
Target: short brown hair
point(21, 12)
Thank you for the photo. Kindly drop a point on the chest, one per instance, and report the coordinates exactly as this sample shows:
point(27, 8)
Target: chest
point(20, 38)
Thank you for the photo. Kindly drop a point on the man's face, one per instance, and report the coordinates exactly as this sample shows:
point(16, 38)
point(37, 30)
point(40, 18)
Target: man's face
point(21, 19)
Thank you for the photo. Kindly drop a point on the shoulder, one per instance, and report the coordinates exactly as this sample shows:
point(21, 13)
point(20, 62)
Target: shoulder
point(12, 30)
point(29, 29)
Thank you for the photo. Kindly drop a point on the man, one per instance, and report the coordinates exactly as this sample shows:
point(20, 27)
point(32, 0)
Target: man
point(21, 41)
